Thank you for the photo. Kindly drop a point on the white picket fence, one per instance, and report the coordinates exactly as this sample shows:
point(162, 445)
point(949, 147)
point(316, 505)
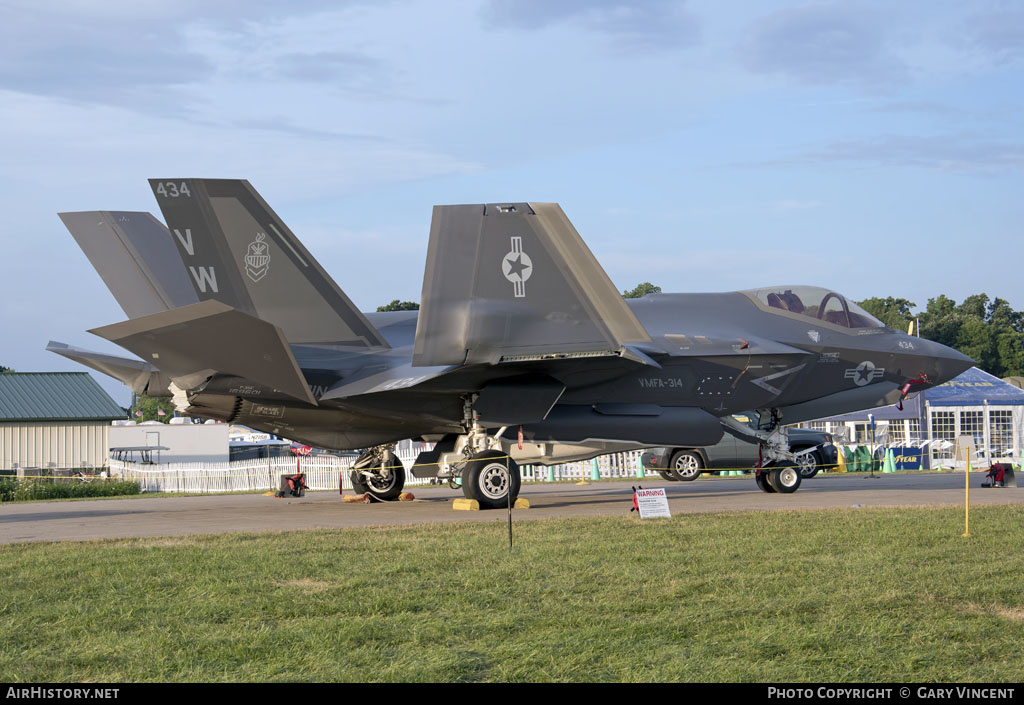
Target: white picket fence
point(324, 472)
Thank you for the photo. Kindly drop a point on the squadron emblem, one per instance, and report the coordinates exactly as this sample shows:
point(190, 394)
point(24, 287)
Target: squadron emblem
point(257, 259)
point(517, 267)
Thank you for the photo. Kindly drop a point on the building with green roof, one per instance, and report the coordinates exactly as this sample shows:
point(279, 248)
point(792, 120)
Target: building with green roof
point(54, 420)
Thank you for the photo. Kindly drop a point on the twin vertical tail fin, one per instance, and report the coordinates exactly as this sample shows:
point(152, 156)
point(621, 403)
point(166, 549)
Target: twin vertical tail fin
point(134, 255)
point(512, 282)
point(237, 251)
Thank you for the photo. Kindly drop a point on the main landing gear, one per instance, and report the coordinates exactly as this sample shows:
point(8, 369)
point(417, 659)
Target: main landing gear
point(379, 473)
point(487, 472)
point(474, 459)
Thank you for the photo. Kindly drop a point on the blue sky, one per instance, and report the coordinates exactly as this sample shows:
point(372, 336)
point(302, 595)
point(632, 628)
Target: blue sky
point(869, 147)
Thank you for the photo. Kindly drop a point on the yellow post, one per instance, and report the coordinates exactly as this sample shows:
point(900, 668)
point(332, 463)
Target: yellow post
point(967, 496)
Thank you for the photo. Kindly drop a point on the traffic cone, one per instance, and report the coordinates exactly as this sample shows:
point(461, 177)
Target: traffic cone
point(840, 461)
point(639, 467)
point(595, 472)
point(551, 473)
point(890, 461)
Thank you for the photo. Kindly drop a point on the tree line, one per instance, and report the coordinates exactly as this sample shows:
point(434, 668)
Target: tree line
point(987, 330)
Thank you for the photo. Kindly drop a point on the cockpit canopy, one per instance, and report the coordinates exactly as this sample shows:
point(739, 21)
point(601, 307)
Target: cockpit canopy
point(813, 302)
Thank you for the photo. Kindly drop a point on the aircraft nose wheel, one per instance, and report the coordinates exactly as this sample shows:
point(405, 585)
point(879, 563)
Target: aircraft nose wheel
point(761, 477)
point(779, 477)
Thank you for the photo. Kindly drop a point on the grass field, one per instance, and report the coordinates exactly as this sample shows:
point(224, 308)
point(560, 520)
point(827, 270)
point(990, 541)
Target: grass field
point(848, 595)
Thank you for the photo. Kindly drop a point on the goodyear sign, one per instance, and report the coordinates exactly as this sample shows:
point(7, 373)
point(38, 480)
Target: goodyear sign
point(907, 458)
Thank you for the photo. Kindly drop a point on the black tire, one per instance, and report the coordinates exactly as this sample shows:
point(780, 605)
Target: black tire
point(762, 481)
point(809, 464)
point(486, 479)
point(385, 488)
point(784, 478)
point(667, 474)
point(686, 465)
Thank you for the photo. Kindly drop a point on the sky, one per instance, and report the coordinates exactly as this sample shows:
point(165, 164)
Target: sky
point(873, 148)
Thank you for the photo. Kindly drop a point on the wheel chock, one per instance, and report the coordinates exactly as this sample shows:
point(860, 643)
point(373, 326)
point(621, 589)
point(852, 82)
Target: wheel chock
point(406, 497)
point(356, 498)
point(522, 503)
point(466, 505)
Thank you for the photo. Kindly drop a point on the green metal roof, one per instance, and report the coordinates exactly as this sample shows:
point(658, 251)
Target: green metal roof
point(54, 396)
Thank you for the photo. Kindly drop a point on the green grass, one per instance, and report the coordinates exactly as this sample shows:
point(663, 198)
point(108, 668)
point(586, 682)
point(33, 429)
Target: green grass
point(17, 490)
point(845, 595)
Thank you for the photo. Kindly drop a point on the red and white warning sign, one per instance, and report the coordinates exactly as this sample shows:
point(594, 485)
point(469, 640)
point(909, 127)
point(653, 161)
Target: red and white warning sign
point(652, 503)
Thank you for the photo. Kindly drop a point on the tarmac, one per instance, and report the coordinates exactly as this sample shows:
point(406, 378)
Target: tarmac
point(85, 520)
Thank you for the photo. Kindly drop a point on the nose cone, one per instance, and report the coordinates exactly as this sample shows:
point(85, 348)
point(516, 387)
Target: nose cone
point(941, 363)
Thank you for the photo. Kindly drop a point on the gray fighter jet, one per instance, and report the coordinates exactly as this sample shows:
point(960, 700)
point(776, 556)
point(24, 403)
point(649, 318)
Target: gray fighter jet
point(523, 350)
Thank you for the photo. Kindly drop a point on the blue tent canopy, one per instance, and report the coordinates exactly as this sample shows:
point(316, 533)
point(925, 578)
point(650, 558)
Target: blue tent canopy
point(973, 388)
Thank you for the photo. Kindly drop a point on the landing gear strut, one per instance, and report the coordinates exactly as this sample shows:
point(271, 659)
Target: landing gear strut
point(488, 474)
point(779, 470)
point(379, 473)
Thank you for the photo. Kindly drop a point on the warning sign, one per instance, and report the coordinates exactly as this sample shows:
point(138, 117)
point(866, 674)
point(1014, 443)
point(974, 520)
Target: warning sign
point(652, 503)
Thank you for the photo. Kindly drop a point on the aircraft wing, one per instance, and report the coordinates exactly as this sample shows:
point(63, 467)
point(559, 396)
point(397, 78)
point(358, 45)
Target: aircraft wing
point(400, 377)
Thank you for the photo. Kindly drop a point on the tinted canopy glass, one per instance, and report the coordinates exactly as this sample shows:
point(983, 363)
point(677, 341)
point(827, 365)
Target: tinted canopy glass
point(816, 303)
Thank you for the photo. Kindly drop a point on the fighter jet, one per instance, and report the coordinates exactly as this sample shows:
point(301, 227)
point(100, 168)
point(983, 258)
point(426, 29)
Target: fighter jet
point(523, 350)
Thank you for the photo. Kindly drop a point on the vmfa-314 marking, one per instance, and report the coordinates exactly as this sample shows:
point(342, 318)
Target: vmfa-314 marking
point(521, 334)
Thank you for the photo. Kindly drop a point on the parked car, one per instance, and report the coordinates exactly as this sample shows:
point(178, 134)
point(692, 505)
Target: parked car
point(731, 453)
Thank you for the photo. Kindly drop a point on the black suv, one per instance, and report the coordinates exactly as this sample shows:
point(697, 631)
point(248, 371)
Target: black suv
point(731, 453)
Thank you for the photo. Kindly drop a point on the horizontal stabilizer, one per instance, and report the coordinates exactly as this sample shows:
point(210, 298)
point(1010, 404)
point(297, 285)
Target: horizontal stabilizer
point(510, 282)
point(239, 252)
point(141, 377)
point(192, 343)
point(134, 255)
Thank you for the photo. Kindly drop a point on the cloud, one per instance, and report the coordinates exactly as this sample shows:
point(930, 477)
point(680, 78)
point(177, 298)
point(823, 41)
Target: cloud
point(120, 53)
point(1000, 35)
point(823, 44)
point(631, 24)
point(961, 153)
point(926, 107)
point(337, 68)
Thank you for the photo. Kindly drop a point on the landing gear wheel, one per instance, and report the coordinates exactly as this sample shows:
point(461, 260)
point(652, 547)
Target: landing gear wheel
point(761, 476)
point(784, 478)
point(686, 465)
point(487, 479)
point(386, 485)
point(808, 464)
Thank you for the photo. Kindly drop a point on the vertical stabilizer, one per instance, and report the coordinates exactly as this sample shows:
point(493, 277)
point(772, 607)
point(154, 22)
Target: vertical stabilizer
point(514, 281)
point(134, 255)
point(236, 250)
